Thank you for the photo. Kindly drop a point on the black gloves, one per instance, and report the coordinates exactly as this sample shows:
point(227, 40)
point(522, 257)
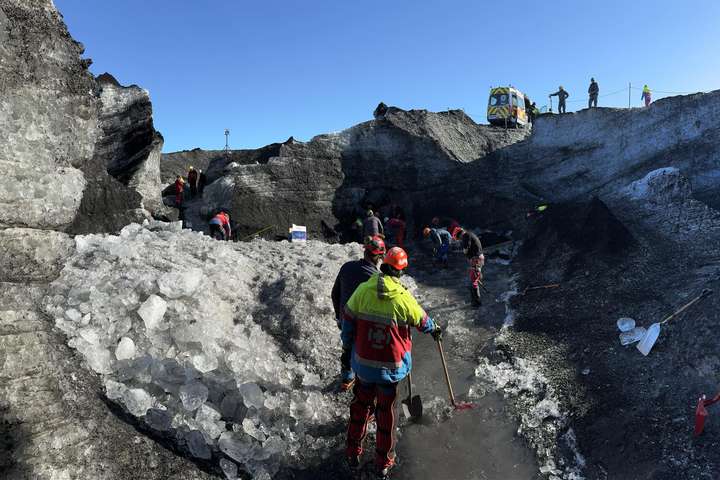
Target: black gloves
point(437, 333)
point(345, 358)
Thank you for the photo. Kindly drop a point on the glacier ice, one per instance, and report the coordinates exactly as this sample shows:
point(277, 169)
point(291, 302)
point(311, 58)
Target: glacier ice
point(152, 311)
point(229, 348)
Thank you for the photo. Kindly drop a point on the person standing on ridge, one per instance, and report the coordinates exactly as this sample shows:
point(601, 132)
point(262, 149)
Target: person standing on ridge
point(646, 95)
point(473, 250)
point(192, 177)
point(562, 96)
point(350, 276)
point(179, 189)
point(376, 329)
point(372, 225)
point(202, 180)
point(593, 92)
point(441, 243)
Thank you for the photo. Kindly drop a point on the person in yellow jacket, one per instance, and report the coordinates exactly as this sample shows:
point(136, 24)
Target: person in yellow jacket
point(646, 95)
point(376, 328)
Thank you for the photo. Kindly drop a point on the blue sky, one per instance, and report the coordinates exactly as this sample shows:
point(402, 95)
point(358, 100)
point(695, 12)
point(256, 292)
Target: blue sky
point(271, 69)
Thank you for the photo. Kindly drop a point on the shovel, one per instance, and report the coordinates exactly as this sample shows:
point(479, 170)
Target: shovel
point(412, 405)
point(458, 406)
point(651, 336)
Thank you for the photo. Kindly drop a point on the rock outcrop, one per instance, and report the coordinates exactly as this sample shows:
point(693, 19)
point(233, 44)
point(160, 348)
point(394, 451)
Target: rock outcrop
point(61, 135)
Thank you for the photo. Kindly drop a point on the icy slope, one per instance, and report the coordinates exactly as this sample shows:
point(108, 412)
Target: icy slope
point(225, 347)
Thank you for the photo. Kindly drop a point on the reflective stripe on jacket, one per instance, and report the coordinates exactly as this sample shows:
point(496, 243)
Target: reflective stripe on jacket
point(377, 321)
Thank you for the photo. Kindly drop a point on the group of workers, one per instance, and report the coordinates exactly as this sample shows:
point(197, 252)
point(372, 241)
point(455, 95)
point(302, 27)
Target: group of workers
point(374, 314)
point(593, 94)
point(442, 234)
point(392, 231)
point(191, 187)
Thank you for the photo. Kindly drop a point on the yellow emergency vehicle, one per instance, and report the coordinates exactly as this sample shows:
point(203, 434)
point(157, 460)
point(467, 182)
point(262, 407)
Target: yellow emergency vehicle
point(506, 107)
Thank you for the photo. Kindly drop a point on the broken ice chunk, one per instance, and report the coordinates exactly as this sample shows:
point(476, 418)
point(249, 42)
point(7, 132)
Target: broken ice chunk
point(193, 395)
point(229, 469)
point(632, 336)
point(250, 428)
point(152, 311)
point(137, 401)
point(180, 284)
point(158, 419)
point(125, 349)
point(196, 444)
point(73, 315)
point(204, 362)
point(209, 420)
point(236, 446)
point(252, 395)
point(114, 390)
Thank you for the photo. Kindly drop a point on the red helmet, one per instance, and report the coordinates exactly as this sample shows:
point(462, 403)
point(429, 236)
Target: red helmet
point(457, 233)
point(375, 246)
point(396, 258)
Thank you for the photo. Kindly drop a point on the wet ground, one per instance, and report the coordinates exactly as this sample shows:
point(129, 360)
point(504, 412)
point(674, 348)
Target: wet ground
point(476, 444)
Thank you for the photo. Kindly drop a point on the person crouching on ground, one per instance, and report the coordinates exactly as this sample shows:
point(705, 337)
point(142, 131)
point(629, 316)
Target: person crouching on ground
point(473, 250)
point(350, 276)
point(441, 243)
point(376, 327)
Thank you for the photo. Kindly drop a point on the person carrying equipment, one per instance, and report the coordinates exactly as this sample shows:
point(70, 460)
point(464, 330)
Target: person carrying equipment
point(372, 225)
point(351, 275)
point(646, 95)
point(179, 189)
point(562, 96)
point(593, 92)
point(441, 243)
point(473, 250)
point(193, 181)
point(376, 329)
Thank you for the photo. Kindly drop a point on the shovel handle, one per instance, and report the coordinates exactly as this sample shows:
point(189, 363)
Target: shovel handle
point(447, 377)
point(409, 382)
point(705, 293)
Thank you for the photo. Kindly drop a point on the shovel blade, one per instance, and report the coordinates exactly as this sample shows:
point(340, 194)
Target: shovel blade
point(412, 407)
point(649, 339)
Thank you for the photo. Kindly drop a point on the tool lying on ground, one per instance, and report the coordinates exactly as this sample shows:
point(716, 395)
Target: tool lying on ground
point(460, 405)
point(541, 287)
point(701, 413)
point(257, 233)
point(412, 405)
point(651, 336)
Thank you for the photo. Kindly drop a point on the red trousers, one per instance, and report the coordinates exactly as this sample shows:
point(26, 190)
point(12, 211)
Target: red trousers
point(476, 264)
point(379, 399)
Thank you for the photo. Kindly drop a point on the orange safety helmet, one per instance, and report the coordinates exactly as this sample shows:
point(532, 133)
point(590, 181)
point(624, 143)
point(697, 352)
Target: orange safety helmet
point(426, 232)
point(375, 246)
point(396, 258)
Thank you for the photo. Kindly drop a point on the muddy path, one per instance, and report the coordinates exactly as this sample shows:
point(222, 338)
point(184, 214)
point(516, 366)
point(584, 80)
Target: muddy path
point(471, 444)
point(476, 444)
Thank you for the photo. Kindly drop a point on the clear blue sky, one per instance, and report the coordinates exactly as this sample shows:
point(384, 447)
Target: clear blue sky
point(271, 69)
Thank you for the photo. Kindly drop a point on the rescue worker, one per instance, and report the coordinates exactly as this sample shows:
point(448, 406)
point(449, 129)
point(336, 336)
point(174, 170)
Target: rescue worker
point(225, 219)
point(372, 225)
point(646, 95)
point(376, 329)
point(217, 229)
point(441, 243)
point(399, 226)
point(351, 275)
point(202, 181)
point(179, 189)
point(593, 92)
point(193, 181)
point(473, 250)
point(562, 96)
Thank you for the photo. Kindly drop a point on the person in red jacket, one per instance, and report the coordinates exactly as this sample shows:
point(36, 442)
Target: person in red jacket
point(179, 189)
point(398, 226)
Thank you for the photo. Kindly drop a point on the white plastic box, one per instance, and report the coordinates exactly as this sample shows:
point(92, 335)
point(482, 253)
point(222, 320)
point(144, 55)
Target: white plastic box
point(298, 233)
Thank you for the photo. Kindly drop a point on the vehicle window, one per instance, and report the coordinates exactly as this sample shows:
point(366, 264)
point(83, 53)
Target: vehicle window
point(514, 100)
point(498, 99)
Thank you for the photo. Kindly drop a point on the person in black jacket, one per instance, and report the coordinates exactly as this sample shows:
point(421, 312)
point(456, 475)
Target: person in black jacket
point(351, 275)
point(474, 253)
point(593, 92)
point(562, 95)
